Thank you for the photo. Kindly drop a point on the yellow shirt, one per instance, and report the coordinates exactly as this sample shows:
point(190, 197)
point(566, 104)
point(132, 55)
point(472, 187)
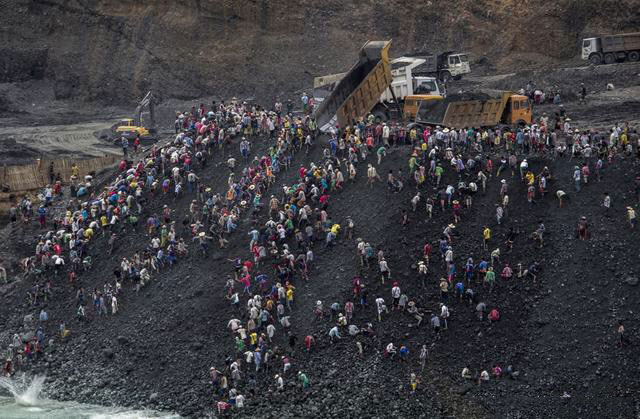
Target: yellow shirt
point(335, 229)
point(486, 233)
point(530, 178)
point(88, 233)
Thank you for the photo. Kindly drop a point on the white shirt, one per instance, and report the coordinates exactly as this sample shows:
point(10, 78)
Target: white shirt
point(271, 330)
point(380, 304)
point(383, 266)
point(395, 292)
point(243, 333)
point(448, 256)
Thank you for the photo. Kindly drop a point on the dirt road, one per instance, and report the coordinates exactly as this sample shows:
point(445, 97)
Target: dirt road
point(23, 144)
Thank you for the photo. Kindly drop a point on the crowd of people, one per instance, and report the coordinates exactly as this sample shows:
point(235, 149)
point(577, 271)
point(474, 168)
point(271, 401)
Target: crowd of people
point(91, 228)
point(434, 151)
point(289, 223)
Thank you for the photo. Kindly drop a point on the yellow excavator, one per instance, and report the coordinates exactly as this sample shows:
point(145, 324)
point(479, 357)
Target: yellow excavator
point(131, 128)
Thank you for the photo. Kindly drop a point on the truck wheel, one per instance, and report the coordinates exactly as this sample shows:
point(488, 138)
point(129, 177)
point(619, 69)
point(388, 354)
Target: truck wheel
point(445, 76)
point(609, 58)
point(634, 56)
point(380, 117)
point(521, 123)
point(595, 59)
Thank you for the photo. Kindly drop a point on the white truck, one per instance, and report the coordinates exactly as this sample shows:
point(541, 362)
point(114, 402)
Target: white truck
point(404, 83)
point(446, 66)
point(611, 48)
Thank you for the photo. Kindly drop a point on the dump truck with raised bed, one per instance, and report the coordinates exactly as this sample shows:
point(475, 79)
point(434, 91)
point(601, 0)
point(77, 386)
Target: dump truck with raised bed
point(612, 48)
point(480, 109)
point(405, 83)
point(355, 94)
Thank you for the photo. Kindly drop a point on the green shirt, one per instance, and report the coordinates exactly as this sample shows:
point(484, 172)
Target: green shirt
point(303, 378)
point(490, 276)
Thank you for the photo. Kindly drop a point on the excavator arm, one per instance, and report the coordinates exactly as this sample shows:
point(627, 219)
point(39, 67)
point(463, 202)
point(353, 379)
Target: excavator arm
point(147, 102)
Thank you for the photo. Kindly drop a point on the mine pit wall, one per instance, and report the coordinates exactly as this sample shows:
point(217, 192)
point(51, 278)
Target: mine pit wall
point(117, 50)
point(22, 65)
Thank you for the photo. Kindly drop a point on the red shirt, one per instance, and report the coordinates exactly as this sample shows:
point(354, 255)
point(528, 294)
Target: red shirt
point(494, 315)
point(308, 341)
point(427, 249)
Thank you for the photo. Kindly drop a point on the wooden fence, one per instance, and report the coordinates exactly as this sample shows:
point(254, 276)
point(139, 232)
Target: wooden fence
point(19, 181)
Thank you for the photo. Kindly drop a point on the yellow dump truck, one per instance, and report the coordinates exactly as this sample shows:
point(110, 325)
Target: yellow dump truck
point(478, 109)
point(360, 89)
point(405, 82)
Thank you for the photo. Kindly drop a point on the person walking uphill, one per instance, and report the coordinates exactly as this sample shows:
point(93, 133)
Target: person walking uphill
point(385, 272)
point(486, 236)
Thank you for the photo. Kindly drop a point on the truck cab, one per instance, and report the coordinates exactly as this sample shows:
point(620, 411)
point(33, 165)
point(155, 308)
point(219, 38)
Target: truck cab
point(518, 111)
point(591, 50)
point(458, 64)
point(413, 103)
point(453, 65)
point(425, 86)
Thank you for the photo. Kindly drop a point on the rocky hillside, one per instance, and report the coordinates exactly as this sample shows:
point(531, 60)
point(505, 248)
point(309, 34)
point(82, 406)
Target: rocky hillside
point(115, 50)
